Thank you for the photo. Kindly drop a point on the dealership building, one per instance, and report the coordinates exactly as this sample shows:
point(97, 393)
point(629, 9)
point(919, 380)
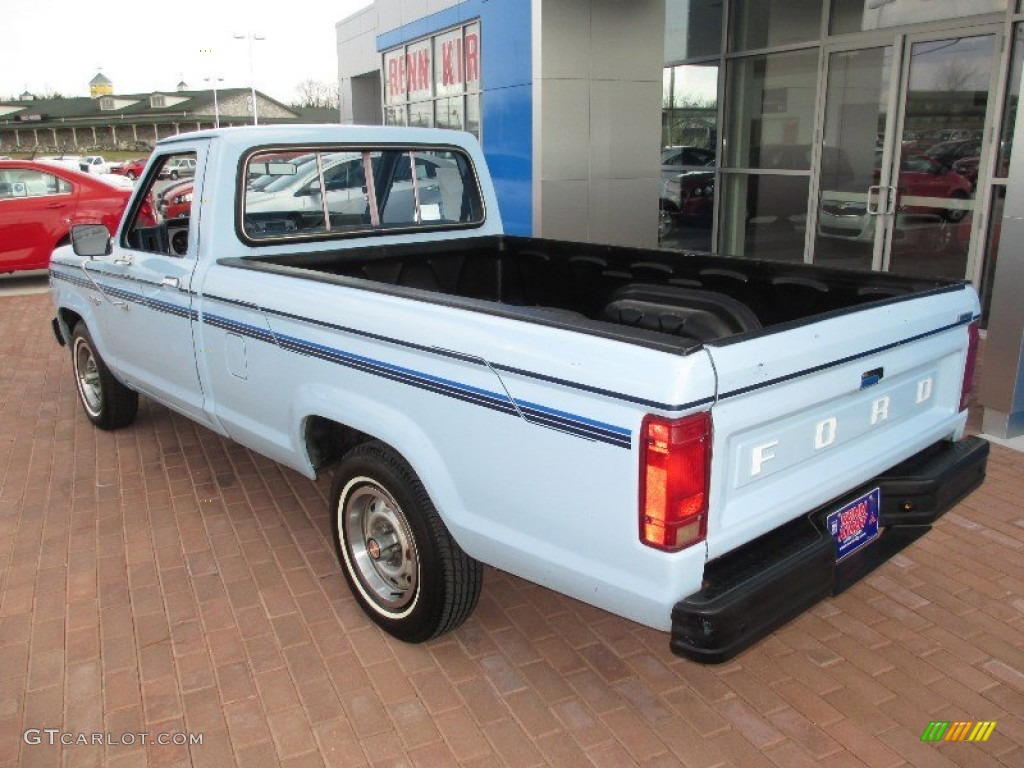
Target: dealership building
point(864, 134)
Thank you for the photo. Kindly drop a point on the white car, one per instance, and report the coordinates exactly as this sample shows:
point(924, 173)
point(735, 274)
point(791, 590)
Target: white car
point(94, 164)
point(296, 196)
point(68, 161)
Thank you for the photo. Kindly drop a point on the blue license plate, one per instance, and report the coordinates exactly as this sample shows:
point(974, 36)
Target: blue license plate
point(855, 524)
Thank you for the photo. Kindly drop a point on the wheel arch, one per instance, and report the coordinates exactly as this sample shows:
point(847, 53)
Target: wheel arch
point(330, 421)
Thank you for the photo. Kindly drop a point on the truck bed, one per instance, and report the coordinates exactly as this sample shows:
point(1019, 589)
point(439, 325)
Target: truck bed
point(648, 296)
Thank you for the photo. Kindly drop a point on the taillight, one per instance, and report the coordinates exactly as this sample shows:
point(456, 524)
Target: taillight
point(675, 458)
point(972, 359)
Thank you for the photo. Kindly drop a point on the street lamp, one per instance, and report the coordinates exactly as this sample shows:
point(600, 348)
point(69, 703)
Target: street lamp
point(216, 109)
point(251, 36)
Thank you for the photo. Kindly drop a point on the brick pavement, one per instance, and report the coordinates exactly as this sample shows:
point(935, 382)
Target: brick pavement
point(162, 579)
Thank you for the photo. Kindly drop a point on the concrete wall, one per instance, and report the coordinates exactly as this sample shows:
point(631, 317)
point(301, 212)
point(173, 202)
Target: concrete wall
point(597, 104)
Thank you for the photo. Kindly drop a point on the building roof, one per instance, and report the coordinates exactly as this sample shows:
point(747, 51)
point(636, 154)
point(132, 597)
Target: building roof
point(100, 79)
point(187, 104)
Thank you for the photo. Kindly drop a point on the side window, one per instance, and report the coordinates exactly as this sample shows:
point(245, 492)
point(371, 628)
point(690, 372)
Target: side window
point(160, 218)
point(31, 183)
point(305, 192)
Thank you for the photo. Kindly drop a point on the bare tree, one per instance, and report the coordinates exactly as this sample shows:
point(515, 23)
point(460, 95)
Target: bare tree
point(315, 93)
point(958, 76)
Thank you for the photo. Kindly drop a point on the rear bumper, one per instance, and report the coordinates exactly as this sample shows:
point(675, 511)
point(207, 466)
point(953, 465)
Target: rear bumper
point(762, 585)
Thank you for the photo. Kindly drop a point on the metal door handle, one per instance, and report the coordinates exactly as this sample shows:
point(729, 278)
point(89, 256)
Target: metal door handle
point(124, 260)
point(171, 282)
point(890, 207)
point(873, 190)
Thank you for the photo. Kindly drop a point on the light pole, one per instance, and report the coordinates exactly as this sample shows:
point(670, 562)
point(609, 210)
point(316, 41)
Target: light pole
point(216, 109)
point(251, 36)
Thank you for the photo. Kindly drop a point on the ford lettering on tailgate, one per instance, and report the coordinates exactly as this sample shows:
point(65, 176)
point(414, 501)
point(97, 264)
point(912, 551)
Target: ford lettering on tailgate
point(777, 447)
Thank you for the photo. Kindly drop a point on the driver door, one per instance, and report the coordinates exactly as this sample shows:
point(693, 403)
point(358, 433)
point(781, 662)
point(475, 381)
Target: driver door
point(152, 321)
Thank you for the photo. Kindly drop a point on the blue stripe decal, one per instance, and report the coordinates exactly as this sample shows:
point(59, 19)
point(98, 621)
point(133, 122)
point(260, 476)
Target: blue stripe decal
point(533, 413)
point(498, 401)
point(158, 305)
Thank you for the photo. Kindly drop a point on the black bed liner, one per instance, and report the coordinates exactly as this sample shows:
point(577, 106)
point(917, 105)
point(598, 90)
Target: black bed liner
point(657, 298)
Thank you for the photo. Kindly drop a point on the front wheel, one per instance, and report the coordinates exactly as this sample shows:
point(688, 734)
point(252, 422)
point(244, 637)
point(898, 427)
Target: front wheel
point(403, 566)
point(108, 403)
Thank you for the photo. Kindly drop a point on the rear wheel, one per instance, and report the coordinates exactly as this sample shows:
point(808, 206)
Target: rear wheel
point(108, 403)
point(406, 571)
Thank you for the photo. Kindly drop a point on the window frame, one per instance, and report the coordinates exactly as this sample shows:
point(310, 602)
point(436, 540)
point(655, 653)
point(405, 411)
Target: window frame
point(372, 230)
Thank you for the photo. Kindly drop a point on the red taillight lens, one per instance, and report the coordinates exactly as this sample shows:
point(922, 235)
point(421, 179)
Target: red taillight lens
point(972, 359)
point(675, 457)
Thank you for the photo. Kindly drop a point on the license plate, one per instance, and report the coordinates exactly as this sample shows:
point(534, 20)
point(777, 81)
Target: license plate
point(855, 524)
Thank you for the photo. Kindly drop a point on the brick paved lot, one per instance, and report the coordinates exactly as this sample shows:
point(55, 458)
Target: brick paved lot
point(161, 579)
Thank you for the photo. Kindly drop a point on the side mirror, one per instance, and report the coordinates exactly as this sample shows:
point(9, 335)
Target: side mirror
point(90, 240)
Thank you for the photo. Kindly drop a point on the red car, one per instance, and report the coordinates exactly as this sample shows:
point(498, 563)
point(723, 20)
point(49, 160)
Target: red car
point(39, 203)
point(130, 168)
point(175, 200)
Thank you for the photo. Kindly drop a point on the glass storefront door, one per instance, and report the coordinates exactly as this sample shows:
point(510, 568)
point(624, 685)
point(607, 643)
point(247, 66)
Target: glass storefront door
point(902, 148)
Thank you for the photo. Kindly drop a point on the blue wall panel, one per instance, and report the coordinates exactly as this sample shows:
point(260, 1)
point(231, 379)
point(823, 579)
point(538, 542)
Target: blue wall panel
point(506, 99)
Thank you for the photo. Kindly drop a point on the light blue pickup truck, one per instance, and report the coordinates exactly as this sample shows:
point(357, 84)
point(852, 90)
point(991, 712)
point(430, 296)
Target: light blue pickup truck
point(705, 445)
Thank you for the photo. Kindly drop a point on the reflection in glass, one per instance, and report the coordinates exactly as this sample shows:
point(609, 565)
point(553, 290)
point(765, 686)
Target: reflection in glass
point(1010, 108)
point(692, 28)
point(862, 15)
point(772, 115)
point(947, 99)
point(690, 107)
point(689, 150)
point(473, 114)
point(449, 113)
point(774, 22)
point(764, 217)
point(421, 114)
point(856, 103)
point(995, 228)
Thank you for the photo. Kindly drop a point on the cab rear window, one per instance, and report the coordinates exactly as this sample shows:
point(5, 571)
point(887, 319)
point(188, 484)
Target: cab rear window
point(318, 193)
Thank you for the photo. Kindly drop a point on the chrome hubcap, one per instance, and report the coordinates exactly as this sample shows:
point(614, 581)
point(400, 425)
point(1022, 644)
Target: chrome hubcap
point(88, 376)
point(381, 548)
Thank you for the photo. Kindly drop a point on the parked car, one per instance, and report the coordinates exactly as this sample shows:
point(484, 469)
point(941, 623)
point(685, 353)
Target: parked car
point(687, 199)
point(94, 164)
point(131, 169)
point(845, 216)
point(174, 169)
point(68, 161)
point(39, 202)
point(676, 159)
point(175, 201)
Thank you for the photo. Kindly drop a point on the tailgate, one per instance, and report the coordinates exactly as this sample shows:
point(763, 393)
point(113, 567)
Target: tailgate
point(805, 414)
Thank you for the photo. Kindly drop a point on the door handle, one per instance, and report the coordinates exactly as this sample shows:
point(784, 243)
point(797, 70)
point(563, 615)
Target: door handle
point(124, 260)
point(873, 191)
point(171, 282)
point(890, 207)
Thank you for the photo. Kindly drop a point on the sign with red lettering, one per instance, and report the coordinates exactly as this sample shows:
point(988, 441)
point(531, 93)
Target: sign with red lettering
point(447, 64)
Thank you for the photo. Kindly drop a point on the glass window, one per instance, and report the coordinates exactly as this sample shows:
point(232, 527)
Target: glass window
point(449, 113)
point(435, 81)
point(1010, 108)
point(863, 15)
point(690, 112)
point(421, 114)
point(692, 28)
point(772, 110)
point(31, 183)
point(764, 217)
point(160, 218)
point(768, 23)
point(355, 190)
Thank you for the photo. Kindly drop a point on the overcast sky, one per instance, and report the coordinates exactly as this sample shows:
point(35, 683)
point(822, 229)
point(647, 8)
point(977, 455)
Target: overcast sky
point(143, 46)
